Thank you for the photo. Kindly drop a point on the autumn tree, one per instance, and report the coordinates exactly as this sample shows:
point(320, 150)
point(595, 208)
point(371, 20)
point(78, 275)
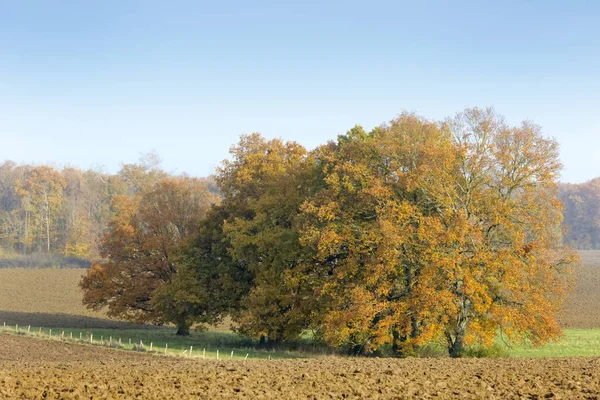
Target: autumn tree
point(13, 219)
point(504, 259)
point(209, 284)
point(263, 186)
point(139, 251)
point(42, 194)
point(438, 232)
point(372, 230)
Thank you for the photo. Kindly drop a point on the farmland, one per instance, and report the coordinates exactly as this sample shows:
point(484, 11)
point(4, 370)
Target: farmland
point(35, 369)
point(50, 298)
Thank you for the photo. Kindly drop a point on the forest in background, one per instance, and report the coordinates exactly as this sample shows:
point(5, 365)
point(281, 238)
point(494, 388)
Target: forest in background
point(53, 216)
point(582, 214)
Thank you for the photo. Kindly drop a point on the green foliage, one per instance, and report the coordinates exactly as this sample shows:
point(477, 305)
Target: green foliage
point(478, 351)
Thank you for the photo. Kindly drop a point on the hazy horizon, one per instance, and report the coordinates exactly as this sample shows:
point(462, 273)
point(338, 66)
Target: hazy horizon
point(98, 84)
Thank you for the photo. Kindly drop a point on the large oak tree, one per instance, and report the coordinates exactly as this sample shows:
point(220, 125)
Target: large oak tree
point(140, 250)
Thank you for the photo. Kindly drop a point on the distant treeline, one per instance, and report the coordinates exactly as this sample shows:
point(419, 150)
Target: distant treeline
point(64, 211)
point(582, 214)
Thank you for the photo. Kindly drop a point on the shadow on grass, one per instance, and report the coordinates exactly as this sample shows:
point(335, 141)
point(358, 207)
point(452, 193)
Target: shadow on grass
point(65, 321)
point(80, 326)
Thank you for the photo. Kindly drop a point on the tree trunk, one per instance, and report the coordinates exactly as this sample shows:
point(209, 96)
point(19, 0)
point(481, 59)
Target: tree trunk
point(457, 340)
point(457, 346)
point(183, 328)
point(396, 343)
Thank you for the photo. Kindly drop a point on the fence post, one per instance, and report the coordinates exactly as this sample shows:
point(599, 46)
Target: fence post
point(231, 357)
point(150, 346)
point(91, 338)
point(166, 348)
point(217, 354)
point(191, 348)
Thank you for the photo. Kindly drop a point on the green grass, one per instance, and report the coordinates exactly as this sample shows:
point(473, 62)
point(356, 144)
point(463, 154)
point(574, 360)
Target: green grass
point(204, 344)
point(574, 343)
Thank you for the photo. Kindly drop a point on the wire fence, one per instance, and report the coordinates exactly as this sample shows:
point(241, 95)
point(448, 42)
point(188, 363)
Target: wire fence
point(121, 343)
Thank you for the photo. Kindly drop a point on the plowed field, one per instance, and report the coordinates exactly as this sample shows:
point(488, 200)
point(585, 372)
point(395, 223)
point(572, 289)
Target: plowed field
point(582, 308)
point(36, 369)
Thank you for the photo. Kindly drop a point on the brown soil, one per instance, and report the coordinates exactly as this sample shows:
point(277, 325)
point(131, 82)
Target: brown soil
point(51, 291)
point(582, 308)
point(36, 369)
point(51, 298)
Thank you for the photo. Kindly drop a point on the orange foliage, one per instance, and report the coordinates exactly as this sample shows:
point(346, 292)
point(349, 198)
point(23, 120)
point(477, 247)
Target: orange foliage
point(439, 232)
point(139, 248)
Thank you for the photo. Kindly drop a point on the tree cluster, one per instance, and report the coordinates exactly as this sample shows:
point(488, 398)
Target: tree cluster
point(416, 232)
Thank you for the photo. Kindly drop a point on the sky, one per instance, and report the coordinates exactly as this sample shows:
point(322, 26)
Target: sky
point(97, 83)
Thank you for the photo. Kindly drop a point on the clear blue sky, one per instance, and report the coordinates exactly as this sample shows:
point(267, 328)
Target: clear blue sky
point(99, 82)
